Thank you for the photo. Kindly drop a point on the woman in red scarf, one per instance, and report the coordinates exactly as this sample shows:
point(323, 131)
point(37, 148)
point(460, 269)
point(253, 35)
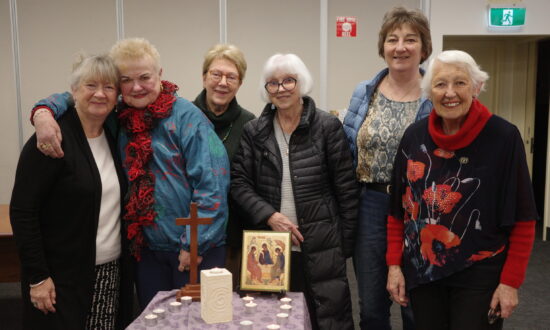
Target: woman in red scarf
point(172, 157)
point(462, 213)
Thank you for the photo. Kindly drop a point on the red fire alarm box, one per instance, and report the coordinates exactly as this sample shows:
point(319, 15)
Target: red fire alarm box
point(346, 26)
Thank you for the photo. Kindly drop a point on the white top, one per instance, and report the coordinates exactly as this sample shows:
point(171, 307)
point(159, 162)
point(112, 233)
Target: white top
point(108, 229)
point(288, 207)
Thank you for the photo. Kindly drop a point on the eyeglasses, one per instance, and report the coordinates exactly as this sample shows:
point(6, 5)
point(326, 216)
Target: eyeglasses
point(273, 85)
point(230, 78)
point(494, 315)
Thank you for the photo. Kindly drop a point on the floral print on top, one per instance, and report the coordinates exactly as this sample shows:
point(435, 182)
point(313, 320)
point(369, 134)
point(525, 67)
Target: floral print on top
point(458, 206)
point(379, 137)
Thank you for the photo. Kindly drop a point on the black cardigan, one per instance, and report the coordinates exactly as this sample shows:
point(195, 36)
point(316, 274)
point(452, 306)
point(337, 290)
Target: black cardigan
point(326, 196)
point(54, 213)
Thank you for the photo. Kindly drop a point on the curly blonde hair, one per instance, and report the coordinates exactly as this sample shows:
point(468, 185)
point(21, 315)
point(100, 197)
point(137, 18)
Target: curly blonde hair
point(134, 49)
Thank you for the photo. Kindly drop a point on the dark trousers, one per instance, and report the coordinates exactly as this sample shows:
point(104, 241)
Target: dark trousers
point(233, 257)
point(298, 284)
point(369, 261)
point(440, 306)
point(158, 271)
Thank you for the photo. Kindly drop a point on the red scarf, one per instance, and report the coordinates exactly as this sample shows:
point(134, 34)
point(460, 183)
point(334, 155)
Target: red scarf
point(476, 118)
point(141, 200)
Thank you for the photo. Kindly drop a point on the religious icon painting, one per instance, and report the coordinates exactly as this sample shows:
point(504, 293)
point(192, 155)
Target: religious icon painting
point(265, 261)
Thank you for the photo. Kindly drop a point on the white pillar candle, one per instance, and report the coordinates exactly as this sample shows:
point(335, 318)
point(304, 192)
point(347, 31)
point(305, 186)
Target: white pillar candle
point(246, 325)
point(159, 312)
point(285, 301)
point(151, 320)
point(216, 296)
point(282, 318)
point(174, 306)
point(286, 309)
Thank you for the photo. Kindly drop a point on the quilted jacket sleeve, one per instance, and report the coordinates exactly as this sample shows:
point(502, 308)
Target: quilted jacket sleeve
point(346, 189)
point(243, 182)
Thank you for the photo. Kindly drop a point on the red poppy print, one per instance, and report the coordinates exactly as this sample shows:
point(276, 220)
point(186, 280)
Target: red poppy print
point(410, 206)
point(442, 198)
point(438, 244)
point(444, 153)
point(415, 170)
point(480, 255)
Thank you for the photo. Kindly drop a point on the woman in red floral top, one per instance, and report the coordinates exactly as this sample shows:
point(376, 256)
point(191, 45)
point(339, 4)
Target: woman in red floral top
point(462, 213)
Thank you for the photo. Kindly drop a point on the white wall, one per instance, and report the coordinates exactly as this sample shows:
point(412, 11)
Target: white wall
point(9, 133)
point(182, 31)
point(352, 60)
point(262, 28)
point(469, 17)
point(51, 32)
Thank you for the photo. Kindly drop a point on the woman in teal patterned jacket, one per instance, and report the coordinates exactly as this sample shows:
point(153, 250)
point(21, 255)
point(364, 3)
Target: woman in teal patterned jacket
point(172, 157)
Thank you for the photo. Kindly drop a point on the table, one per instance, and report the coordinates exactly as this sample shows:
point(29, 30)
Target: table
point(9, 259)
point(190, 317)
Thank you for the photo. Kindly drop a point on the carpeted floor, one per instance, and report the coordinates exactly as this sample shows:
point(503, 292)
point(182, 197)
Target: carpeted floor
point(533, 312)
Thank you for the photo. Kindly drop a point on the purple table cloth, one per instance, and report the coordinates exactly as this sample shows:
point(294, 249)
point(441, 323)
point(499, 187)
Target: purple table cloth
point(189, 317)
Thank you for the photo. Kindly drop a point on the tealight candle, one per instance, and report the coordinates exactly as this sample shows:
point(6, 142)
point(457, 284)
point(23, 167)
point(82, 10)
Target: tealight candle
point(285, 301)
point(282, 318)
point(250, 307)
point(159, 312)
point(286, 309)
point(246, 325)
point(151, 320)
point(273, 327)
point(186, 300)
point(247, 299)
point(174, 306)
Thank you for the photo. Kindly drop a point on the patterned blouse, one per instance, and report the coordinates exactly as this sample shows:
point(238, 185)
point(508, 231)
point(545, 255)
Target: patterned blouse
point(379, 137)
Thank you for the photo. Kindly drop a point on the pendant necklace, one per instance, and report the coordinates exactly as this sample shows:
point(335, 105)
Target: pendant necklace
point(227, 134)
point(284, 134)
point(402, 97)
point(286, 141)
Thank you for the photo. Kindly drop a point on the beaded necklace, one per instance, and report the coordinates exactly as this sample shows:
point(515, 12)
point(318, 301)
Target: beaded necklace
point(228, 132)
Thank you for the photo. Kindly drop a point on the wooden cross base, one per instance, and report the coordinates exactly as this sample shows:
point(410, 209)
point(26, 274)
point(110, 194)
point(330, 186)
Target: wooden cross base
point(192, 290)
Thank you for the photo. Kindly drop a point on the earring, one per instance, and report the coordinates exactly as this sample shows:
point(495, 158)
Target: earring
point(273, 106)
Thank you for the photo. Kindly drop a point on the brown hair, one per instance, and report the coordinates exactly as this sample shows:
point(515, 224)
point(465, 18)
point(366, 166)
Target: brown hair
point(397, 17)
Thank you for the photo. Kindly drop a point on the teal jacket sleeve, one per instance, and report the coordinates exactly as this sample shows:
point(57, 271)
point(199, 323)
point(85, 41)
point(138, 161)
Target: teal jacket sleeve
point(58, 103)
point(207, 168)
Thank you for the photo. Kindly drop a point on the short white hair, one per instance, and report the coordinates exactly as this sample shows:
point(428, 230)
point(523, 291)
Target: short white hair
point(287, 63)
point(460, 58)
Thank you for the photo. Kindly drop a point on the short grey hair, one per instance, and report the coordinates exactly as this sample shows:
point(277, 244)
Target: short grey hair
point(97, 67)
point(460, 58)
point(288, 63)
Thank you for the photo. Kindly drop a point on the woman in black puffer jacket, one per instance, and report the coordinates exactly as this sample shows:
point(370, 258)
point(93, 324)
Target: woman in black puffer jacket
point(294, 172)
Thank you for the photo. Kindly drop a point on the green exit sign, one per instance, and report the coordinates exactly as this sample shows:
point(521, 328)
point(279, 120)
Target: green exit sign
point(506, 17)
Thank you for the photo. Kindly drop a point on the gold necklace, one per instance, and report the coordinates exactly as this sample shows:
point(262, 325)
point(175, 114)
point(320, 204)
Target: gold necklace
point(401, 98)
point(227, 134)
